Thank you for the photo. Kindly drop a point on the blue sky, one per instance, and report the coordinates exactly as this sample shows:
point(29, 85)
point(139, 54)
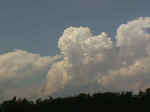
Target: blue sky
point(87, 63)
point(36, 25)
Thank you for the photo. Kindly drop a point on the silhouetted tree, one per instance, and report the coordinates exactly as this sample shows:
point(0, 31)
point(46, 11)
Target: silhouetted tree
point(103, 102)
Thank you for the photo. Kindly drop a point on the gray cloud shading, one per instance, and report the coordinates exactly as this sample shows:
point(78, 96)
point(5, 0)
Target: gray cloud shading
point(22, 73)
point(91, 60)
point(86, 63)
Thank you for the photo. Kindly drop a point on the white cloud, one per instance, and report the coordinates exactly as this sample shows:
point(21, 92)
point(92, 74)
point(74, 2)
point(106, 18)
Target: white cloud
point(21, 72)
point(86, 63)
point(91, 60)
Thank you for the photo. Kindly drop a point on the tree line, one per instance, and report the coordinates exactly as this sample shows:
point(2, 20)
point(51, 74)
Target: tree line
point(83, 102)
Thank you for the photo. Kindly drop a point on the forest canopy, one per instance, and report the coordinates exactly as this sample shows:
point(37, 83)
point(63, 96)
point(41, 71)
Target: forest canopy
point(107, 101)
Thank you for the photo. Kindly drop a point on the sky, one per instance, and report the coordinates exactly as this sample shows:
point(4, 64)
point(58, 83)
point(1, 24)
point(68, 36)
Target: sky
point(62, 48)
point(36, 25)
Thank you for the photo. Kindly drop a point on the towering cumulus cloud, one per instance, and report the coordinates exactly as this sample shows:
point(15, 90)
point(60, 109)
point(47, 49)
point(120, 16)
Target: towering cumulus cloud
point(96, 63)
point(86, 63)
